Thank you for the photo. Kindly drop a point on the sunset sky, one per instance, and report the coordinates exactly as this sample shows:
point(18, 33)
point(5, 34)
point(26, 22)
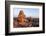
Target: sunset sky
point(33, 12)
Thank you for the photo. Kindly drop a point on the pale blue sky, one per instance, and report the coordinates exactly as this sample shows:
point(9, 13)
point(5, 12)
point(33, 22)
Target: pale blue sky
point(33, 12)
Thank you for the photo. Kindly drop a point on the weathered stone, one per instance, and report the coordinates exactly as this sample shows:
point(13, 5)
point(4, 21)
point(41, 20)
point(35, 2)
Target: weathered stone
point(21, 18)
